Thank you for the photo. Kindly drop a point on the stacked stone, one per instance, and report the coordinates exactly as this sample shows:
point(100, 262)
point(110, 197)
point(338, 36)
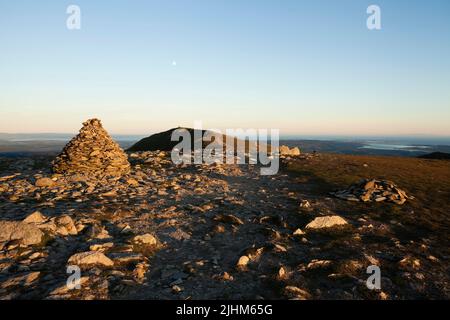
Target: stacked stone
point(92, 151)
point(374, 190)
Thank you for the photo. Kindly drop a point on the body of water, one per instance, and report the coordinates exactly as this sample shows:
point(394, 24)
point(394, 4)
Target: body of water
point(396, 146)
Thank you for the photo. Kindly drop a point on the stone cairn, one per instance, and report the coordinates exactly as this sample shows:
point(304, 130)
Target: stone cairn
point(373, 190)
point(92, 151)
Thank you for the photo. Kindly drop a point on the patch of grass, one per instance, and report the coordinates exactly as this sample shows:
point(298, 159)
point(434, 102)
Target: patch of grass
point(427, 180)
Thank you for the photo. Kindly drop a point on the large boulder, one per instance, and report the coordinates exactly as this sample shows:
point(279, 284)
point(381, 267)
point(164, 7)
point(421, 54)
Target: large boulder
point(27, 234)
point(90, 258)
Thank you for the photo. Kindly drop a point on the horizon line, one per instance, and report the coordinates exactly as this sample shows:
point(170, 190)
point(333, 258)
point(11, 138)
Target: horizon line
point(349, 135)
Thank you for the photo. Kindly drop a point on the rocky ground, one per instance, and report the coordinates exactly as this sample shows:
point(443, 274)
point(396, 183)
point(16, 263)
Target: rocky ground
point(199, 232)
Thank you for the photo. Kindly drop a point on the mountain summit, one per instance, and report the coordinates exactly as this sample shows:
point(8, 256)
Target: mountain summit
point(162, 141)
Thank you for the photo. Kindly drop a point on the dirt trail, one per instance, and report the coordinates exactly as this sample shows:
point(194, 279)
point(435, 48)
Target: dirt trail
point(214, 247)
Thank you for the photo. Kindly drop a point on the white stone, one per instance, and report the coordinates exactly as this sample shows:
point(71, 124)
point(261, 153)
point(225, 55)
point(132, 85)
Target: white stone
point(326, 222)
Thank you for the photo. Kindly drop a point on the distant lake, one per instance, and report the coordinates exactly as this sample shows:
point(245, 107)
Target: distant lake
point(384, 142)
point(394, 146)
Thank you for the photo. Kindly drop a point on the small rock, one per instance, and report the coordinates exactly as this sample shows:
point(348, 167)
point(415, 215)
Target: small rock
point(23, 280)
point(146, 239)
point(229, 218)
point(44, 182)
point(101, 247)
point(140, 271)
point(282, 273)
point(279, 248)
point(305, 204)
point(180, 235)
point(126, 257)
point(326, 222)
point(219, 228)
point(315, 264)
point(67, 223)
point(227, 277)
point(409, 263)
point(90, 258)
point(111, 193)
point(176, 289)
point(296, 293)
point(133, 182)
point(243, 262)
point(35, 217)
point(98, 232)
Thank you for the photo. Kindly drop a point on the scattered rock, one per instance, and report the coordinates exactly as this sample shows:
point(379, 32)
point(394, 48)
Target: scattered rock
point(98, 232)
point(219, 228)
point(66, 223)
point(140, 270)
point(176, 289)
point(316, 264)
point(35, 217)
point(296, 293)
point(126, 257)
point(326, 222)
point(286, 151)
point(111, 194)
point(305, 204)
point(22, 280)
point(229, 218)
point(409, 263)
point(44, 182)
point(133, 182)
point(298, 232)
point(101, 247)
point(226, 277)
point(282, 273)
point(373, 190)
point(145, 239)
point(279, 248)
point(180, 235)
point(90, 258)
point(26, 233)
point(242, 262)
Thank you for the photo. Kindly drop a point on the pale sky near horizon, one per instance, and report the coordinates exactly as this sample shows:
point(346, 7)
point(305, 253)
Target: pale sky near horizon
point(305, 67)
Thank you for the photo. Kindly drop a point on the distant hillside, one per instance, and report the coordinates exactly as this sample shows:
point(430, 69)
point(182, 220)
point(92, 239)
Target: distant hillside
point(162, 141)
point(436, 155)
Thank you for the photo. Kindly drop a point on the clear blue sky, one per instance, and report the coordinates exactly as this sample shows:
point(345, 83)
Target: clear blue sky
point(305, 67)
